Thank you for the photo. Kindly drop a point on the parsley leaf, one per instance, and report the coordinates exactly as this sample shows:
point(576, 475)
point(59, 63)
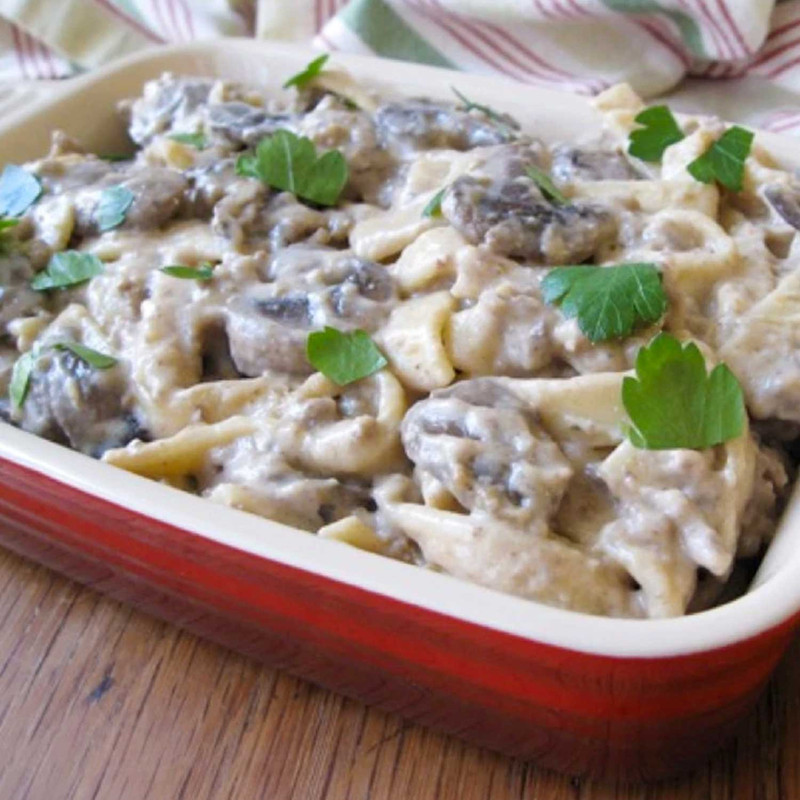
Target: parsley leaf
point(608, 301)
point(505, 121)
point(724, 160)
point(308, 73)
point(92, 357)
point(344, 357)
point(545, 183)
point(114, 157)
point(202, 273)
point(660, 130)
point(19, 190)
point(433, 207)
point(67, 269)
point(289, 162)
point(196, 140)
point(21, 377)
point(112, 207)
point(673, 403)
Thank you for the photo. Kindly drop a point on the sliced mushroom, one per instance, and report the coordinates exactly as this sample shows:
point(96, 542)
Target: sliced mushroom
point(308, 290)
point(60, 174)
point(245, 125)
point(478, 440)
point(163, 103)
point(580, 164)
point(209, 180)
point(424, 125)
point(785, 199)
point(158, 197)
point(512, 219)
point(73, 403)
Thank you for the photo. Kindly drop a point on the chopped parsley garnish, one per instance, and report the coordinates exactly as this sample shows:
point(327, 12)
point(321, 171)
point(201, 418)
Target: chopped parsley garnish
point(724, 160)
point(308, 73)
point(674, 403)
point(113, 207)
point(344, 357)
point(609, 302)
point(67, 269)
point(288, 162)
point(205, 272)
point(25, 364)
point(660, 130)
point(19, 190)
point(196, 140)
point(546, 186)
point(506, 122)
point(21, 377)
point(433, 207)
point(113, 157)
point(92, 357)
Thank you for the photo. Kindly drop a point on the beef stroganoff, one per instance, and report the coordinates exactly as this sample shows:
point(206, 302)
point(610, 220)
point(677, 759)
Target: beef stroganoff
point(568, 372)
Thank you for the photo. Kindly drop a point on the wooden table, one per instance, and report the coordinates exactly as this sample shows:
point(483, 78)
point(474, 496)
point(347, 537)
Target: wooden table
point(98, 701)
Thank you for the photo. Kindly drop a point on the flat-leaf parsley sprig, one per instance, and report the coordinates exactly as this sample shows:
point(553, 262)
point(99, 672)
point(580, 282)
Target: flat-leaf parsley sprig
point(674, 403)
point(67, 268)
point(308, 73)
point(205, 272)
point(112, 208)
point(21, 377)
point(94, 358)
point(344, 357)
point(724, 160)
point(289, 162)
point(433, 208)
point(660, 130)
point(196, 140)
point(19, 190)
point(609, 302)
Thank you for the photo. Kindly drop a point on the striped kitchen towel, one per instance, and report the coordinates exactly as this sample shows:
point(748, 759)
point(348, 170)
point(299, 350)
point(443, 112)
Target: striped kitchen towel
point(658, 46)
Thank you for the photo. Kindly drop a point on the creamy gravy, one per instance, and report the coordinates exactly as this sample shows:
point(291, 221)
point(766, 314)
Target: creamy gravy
point(493, 447)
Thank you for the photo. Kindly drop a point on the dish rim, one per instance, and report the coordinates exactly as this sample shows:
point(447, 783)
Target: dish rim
point(774, 601)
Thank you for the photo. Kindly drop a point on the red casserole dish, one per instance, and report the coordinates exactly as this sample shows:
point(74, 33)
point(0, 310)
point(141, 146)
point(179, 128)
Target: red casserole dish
point(578, 693)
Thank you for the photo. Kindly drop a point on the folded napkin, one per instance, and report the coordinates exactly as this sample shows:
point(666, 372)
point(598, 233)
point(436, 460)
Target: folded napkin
point(672, 47)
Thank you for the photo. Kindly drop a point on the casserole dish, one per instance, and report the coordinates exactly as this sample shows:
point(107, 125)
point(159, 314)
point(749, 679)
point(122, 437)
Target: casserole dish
point(575, 692)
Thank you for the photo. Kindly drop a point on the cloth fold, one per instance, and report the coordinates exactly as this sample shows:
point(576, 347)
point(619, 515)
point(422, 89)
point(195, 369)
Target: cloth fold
point(576, 45)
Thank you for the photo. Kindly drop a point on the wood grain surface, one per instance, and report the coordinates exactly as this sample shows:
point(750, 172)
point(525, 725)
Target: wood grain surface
point(98, 701)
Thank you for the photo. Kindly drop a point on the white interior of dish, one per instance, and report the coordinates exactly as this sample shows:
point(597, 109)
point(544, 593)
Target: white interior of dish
point(85, 108)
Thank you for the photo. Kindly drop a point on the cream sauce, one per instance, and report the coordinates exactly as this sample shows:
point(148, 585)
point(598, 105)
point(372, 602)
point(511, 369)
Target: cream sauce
point(493, 446)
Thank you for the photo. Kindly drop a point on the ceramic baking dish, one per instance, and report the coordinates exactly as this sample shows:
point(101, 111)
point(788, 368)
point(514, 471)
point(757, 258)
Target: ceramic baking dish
point(574, 692)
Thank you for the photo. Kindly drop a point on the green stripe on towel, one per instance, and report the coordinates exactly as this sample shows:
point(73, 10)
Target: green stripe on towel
point(129, 7)
point(685, 24)
point(385, 32)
